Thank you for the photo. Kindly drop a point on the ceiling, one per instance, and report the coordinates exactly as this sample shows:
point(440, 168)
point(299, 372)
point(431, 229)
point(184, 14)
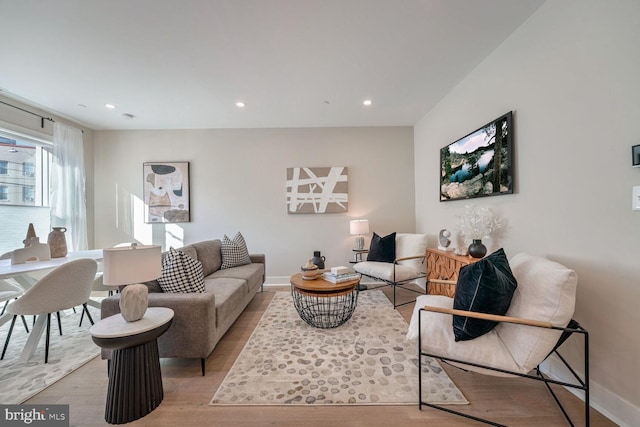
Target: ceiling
point(183, 64)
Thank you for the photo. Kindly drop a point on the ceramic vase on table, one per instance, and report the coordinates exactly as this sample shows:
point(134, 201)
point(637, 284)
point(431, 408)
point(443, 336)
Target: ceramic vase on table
point(57, 242)
point(477, 249)
point(318, 259)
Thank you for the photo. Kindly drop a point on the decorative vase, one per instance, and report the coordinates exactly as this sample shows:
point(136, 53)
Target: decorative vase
point(57, 242)
point(134, 300)
point(31, 232)
point(318, 259)
point(477, 249)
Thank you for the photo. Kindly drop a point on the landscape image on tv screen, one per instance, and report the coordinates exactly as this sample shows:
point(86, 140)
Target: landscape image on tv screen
point(479, 164)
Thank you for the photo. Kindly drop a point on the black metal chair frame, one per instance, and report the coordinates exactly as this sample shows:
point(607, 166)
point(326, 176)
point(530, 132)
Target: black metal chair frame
point(572, 328)
point(401, 283)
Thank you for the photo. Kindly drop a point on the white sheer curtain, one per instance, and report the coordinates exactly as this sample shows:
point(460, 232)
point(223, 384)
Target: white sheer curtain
point(67, 185)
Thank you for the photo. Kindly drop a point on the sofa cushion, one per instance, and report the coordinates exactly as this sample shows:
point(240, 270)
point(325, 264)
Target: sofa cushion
point(181, 273)
point(229, 294)
point(252, 273)
point(382, 249)
point(209, 255)
point(486, 286)
point(234, 252)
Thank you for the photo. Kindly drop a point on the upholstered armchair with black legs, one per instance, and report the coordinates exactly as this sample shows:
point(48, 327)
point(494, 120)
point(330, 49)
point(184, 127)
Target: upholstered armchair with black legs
point(537, 322)
point(397, 260)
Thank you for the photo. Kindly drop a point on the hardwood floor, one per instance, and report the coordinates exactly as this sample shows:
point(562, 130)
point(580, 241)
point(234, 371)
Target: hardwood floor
point(515, 402)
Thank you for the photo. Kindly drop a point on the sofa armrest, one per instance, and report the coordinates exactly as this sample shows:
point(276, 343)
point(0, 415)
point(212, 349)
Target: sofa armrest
point(193, 330)
point(258, 258)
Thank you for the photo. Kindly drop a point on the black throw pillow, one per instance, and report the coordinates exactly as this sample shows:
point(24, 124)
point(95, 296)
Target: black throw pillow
point(486, 286)
point(382, 249)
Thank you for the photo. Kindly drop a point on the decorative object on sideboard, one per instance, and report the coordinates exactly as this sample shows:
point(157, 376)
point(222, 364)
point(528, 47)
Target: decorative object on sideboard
point(444, 243)
point(57, 242)
point(310, 271)
point(475, 223)
point(477, 249)
point(131, 266)
point(318, 259)
point(480, 163)
point(31, 232)
point(33, 251)
point(358, 227)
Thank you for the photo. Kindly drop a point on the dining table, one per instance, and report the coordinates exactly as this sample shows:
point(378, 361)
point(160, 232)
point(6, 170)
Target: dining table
point(23, 275)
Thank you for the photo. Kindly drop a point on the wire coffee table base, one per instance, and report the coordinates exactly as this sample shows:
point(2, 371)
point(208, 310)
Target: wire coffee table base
point(325, 311)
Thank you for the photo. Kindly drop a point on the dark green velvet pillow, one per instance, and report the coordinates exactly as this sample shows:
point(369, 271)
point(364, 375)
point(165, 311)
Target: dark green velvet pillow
point(382, 249)
point(486, 286)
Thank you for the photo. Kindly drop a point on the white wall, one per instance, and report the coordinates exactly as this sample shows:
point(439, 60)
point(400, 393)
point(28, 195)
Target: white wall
point(570, 74)
point(238, 183)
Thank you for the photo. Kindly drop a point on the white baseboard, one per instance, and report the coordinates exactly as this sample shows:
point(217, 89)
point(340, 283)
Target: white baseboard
point(612, 406)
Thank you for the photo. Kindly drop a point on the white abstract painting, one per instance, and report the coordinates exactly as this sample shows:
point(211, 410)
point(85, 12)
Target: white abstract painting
point(317, 190)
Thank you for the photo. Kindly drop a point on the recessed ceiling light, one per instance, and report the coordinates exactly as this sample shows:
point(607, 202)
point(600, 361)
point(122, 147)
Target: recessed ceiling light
point(110, 106)
point(240, 104)
point(367, 102)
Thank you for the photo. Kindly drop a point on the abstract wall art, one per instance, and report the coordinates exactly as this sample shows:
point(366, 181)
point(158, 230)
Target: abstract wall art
point(166, 192)
point(317, 190)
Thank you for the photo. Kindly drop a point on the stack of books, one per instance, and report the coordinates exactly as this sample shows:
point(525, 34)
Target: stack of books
point(339, 275)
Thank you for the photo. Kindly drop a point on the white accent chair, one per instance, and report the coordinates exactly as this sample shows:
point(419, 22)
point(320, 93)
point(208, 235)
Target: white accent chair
point(65, 287)
point(408, 267)
point(538, 321)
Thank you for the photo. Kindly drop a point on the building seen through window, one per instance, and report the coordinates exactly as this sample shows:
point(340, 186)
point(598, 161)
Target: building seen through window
point(24, 173)
point(24, 189)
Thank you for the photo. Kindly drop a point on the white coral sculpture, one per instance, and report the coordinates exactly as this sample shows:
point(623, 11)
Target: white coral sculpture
point(478, 222)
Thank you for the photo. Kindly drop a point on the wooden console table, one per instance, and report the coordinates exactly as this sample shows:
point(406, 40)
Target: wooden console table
point(444, 265)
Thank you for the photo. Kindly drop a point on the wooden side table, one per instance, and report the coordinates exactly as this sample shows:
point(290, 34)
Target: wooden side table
point(444, 265)
point(323, 304)
point(357, 253)
point(135, 380)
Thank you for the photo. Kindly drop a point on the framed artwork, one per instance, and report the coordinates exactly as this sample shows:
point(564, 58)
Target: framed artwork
point(317, 190)
point(166, 192)
point(479, 164)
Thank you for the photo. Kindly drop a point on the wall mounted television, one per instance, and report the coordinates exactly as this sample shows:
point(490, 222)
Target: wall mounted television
point(479, 164)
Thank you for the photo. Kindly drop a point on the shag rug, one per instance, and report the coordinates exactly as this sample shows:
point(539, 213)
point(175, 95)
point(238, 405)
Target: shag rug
point(366, 361)
point(21, 381)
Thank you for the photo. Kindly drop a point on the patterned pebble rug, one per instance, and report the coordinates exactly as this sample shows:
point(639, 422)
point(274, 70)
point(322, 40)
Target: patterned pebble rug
point(366, 361)
point(20, 381)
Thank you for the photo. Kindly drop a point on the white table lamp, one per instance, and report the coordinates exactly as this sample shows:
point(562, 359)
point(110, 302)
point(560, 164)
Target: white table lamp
point(359, 227)
point(130, 266)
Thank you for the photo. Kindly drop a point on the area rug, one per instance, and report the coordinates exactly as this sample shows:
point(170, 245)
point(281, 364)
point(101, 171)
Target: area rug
point(21, 381)
point(366, 361)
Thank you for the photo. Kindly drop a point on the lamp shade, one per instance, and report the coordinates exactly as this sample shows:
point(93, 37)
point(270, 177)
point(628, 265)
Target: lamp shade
point(132, 264)
point(359, 226)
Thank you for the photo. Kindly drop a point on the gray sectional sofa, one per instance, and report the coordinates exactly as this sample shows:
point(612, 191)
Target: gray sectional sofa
point(201, 319)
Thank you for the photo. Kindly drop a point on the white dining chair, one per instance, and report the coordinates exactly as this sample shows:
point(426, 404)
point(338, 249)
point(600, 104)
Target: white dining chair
point(65, 287)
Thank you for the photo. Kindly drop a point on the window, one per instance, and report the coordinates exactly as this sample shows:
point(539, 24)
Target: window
point(25, 157)
point(28, 194)
point(24, 170)
point(29, 169)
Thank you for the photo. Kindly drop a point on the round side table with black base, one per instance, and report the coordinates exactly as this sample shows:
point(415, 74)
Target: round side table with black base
point(135, 380)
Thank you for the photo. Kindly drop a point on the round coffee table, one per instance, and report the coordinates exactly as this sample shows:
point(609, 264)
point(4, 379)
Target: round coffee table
point(323, 304)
